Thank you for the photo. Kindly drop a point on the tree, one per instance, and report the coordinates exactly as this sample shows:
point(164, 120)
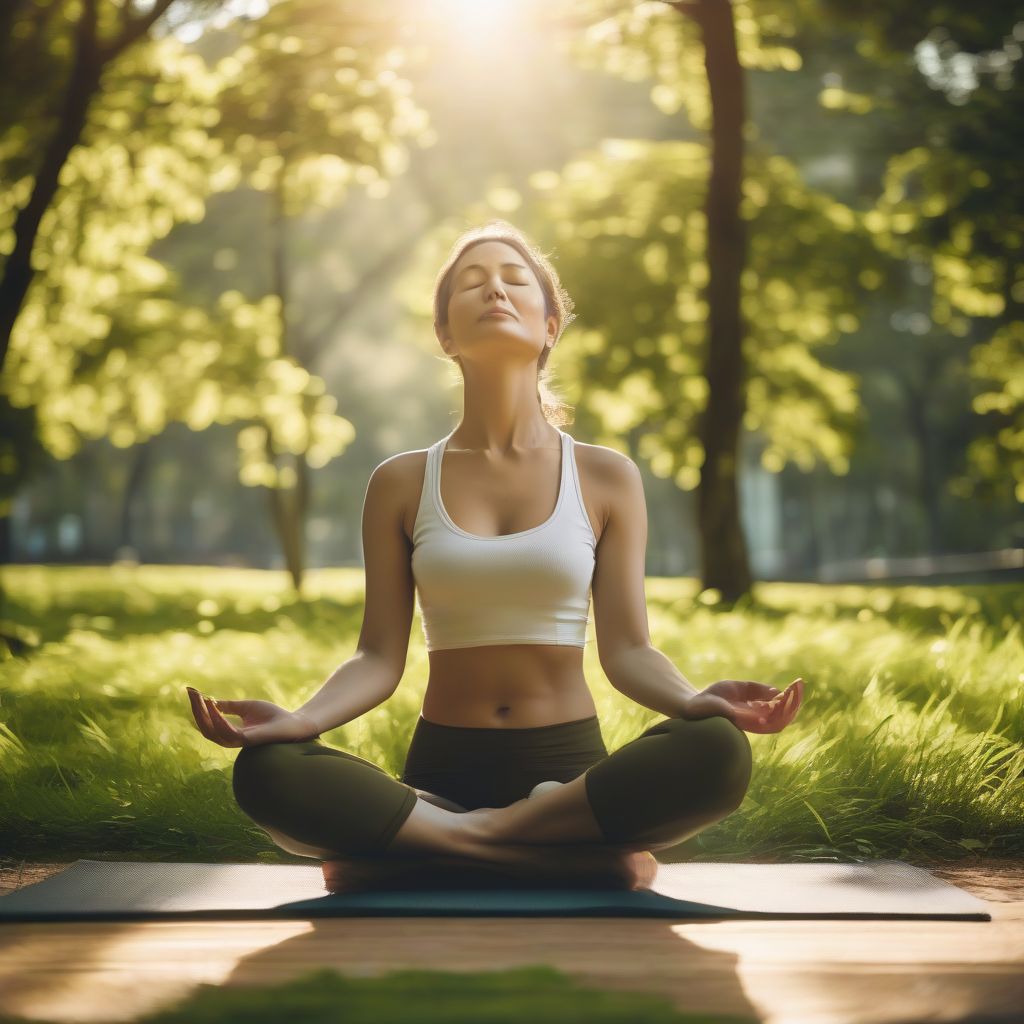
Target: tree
point(699, 63)
point(101, 33)
point(105, 345)
point(952, 201)
point(313, 103)
point(630, 235)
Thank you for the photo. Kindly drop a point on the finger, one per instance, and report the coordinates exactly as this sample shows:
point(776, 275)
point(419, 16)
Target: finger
point(775, 712)
point(201, 714)
point(790, 705)
point(226, 732)
point(756, 719)
point(235, 730)
point(778, 714)
point(799, 699)
point(781, 709)
point(211, 725)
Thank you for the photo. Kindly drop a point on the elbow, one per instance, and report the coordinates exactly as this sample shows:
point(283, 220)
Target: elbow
point(383, 671)
point(612, 662)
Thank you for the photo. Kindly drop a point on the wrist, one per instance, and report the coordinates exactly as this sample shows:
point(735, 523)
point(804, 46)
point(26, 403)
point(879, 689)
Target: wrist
point(682, 705)
point(305, 717)
point(698, 705)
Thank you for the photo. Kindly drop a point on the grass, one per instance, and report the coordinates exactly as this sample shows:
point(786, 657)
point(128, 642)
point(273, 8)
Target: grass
point(910, 743)
point(539, 994)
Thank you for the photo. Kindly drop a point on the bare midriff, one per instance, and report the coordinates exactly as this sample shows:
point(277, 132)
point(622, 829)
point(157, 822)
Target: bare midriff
point(512, 686)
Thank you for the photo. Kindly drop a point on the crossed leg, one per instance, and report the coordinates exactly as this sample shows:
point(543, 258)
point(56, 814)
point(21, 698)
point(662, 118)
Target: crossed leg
point(440, 835)
point(671, 782)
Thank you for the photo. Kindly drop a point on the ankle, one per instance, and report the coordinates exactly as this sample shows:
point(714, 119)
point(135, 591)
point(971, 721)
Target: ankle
point(482, 827)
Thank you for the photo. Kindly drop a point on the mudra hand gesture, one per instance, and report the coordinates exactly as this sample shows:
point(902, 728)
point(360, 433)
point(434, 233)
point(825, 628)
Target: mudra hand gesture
point(753, 707)
point(262, 721)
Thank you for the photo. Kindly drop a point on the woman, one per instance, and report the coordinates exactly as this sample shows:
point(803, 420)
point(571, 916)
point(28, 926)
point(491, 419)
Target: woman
point(504, 528)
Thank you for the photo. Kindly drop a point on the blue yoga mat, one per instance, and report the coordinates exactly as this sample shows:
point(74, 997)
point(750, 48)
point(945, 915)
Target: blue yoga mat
point(122, 890)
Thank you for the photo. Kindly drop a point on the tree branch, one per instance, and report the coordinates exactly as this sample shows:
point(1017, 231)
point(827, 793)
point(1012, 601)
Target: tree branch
point(134, 28)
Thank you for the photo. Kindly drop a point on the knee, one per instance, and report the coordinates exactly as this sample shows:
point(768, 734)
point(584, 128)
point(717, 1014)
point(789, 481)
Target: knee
point(260, 758)
point(254, 772)
point(726, 757)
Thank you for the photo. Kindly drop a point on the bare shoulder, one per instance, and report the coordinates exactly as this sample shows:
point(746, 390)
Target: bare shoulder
point(402, 464)
point(607, 466)
point(401, 476)
point(610, 481)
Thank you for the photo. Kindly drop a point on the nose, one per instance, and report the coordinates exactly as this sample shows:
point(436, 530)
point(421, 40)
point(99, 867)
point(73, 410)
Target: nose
point(495, 289)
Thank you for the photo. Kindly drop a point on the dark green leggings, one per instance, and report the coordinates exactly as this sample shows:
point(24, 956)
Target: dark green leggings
point(318, 801)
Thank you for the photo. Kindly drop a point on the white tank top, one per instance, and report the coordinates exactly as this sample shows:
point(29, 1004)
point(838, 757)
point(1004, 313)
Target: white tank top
point(530, 587)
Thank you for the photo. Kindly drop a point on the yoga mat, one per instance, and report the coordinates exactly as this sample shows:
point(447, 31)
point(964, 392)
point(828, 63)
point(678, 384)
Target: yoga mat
point(133, 890)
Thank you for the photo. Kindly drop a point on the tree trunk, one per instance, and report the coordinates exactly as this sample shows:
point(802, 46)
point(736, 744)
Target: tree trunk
point(133, 480)
point(83, 83)
point(288, 506)
point(286, 519)
point(6, 546)
point(928, 484)
point(724, 559)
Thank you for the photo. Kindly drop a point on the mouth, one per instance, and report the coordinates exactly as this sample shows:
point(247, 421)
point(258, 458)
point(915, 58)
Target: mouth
point(495, 313)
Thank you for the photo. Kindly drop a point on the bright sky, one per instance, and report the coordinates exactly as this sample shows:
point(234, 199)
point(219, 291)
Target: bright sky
point(477, 24)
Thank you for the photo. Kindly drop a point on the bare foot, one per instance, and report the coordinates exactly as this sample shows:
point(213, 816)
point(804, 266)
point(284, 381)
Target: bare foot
point(574, 867)
point(344, 875)
point(539, 867)
point(645, 865)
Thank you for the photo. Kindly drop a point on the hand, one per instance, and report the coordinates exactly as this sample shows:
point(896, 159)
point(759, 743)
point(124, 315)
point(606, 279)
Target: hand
point(750, 706)
point(262, 721)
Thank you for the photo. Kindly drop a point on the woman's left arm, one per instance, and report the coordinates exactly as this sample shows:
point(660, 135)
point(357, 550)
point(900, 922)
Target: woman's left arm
point(647, 676)
point(630, 661)
point(632, 664)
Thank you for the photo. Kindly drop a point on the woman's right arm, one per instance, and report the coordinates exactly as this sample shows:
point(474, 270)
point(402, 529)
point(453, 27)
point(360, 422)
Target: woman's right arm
point(358, 686)
point(355, 687)
point(373, 673)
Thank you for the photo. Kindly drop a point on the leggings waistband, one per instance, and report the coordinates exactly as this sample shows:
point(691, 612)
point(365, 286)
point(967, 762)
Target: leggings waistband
point(517, 729)
point(449, 745)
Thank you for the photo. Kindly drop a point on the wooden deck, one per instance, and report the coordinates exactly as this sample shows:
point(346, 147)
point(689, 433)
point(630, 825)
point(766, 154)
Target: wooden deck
point(781, 972)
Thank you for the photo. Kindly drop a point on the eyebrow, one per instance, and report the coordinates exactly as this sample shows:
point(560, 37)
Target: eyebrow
point(480, 266)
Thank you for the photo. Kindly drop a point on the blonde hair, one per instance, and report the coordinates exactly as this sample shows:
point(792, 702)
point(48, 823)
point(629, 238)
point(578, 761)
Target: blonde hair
point(557, 301)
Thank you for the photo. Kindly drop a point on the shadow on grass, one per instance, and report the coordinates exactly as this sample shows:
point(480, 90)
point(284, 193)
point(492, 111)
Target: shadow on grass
point(110, 615)
point(541, 995)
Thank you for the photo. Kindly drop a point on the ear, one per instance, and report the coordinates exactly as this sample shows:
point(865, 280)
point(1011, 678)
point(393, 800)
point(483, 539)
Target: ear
point(441, 334)
point(552, 329)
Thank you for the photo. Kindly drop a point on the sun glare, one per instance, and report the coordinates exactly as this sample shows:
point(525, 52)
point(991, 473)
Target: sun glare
point(482, 25)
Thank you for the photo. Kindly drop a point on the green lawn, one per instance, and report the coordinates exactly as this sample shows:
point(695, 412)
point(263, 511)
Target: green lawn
point(910, 742)
point(539, 994)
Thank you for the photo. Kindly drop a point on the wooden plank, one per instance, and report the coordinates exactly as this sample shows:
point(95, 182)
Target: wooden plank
point(784, 972)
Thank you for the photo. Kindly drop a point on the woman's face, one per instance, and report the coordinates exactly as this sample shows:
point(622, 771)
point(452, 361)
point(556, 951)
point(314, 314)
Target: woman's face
point(492, 275)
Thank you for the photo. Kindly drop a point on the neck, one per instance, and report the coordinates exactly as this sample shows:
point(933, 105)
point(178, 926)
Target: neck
point(501, 412)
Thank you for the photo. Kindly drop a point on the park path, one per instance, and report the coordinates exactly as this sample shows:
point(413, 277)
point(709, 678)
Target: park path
point(778, 972)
